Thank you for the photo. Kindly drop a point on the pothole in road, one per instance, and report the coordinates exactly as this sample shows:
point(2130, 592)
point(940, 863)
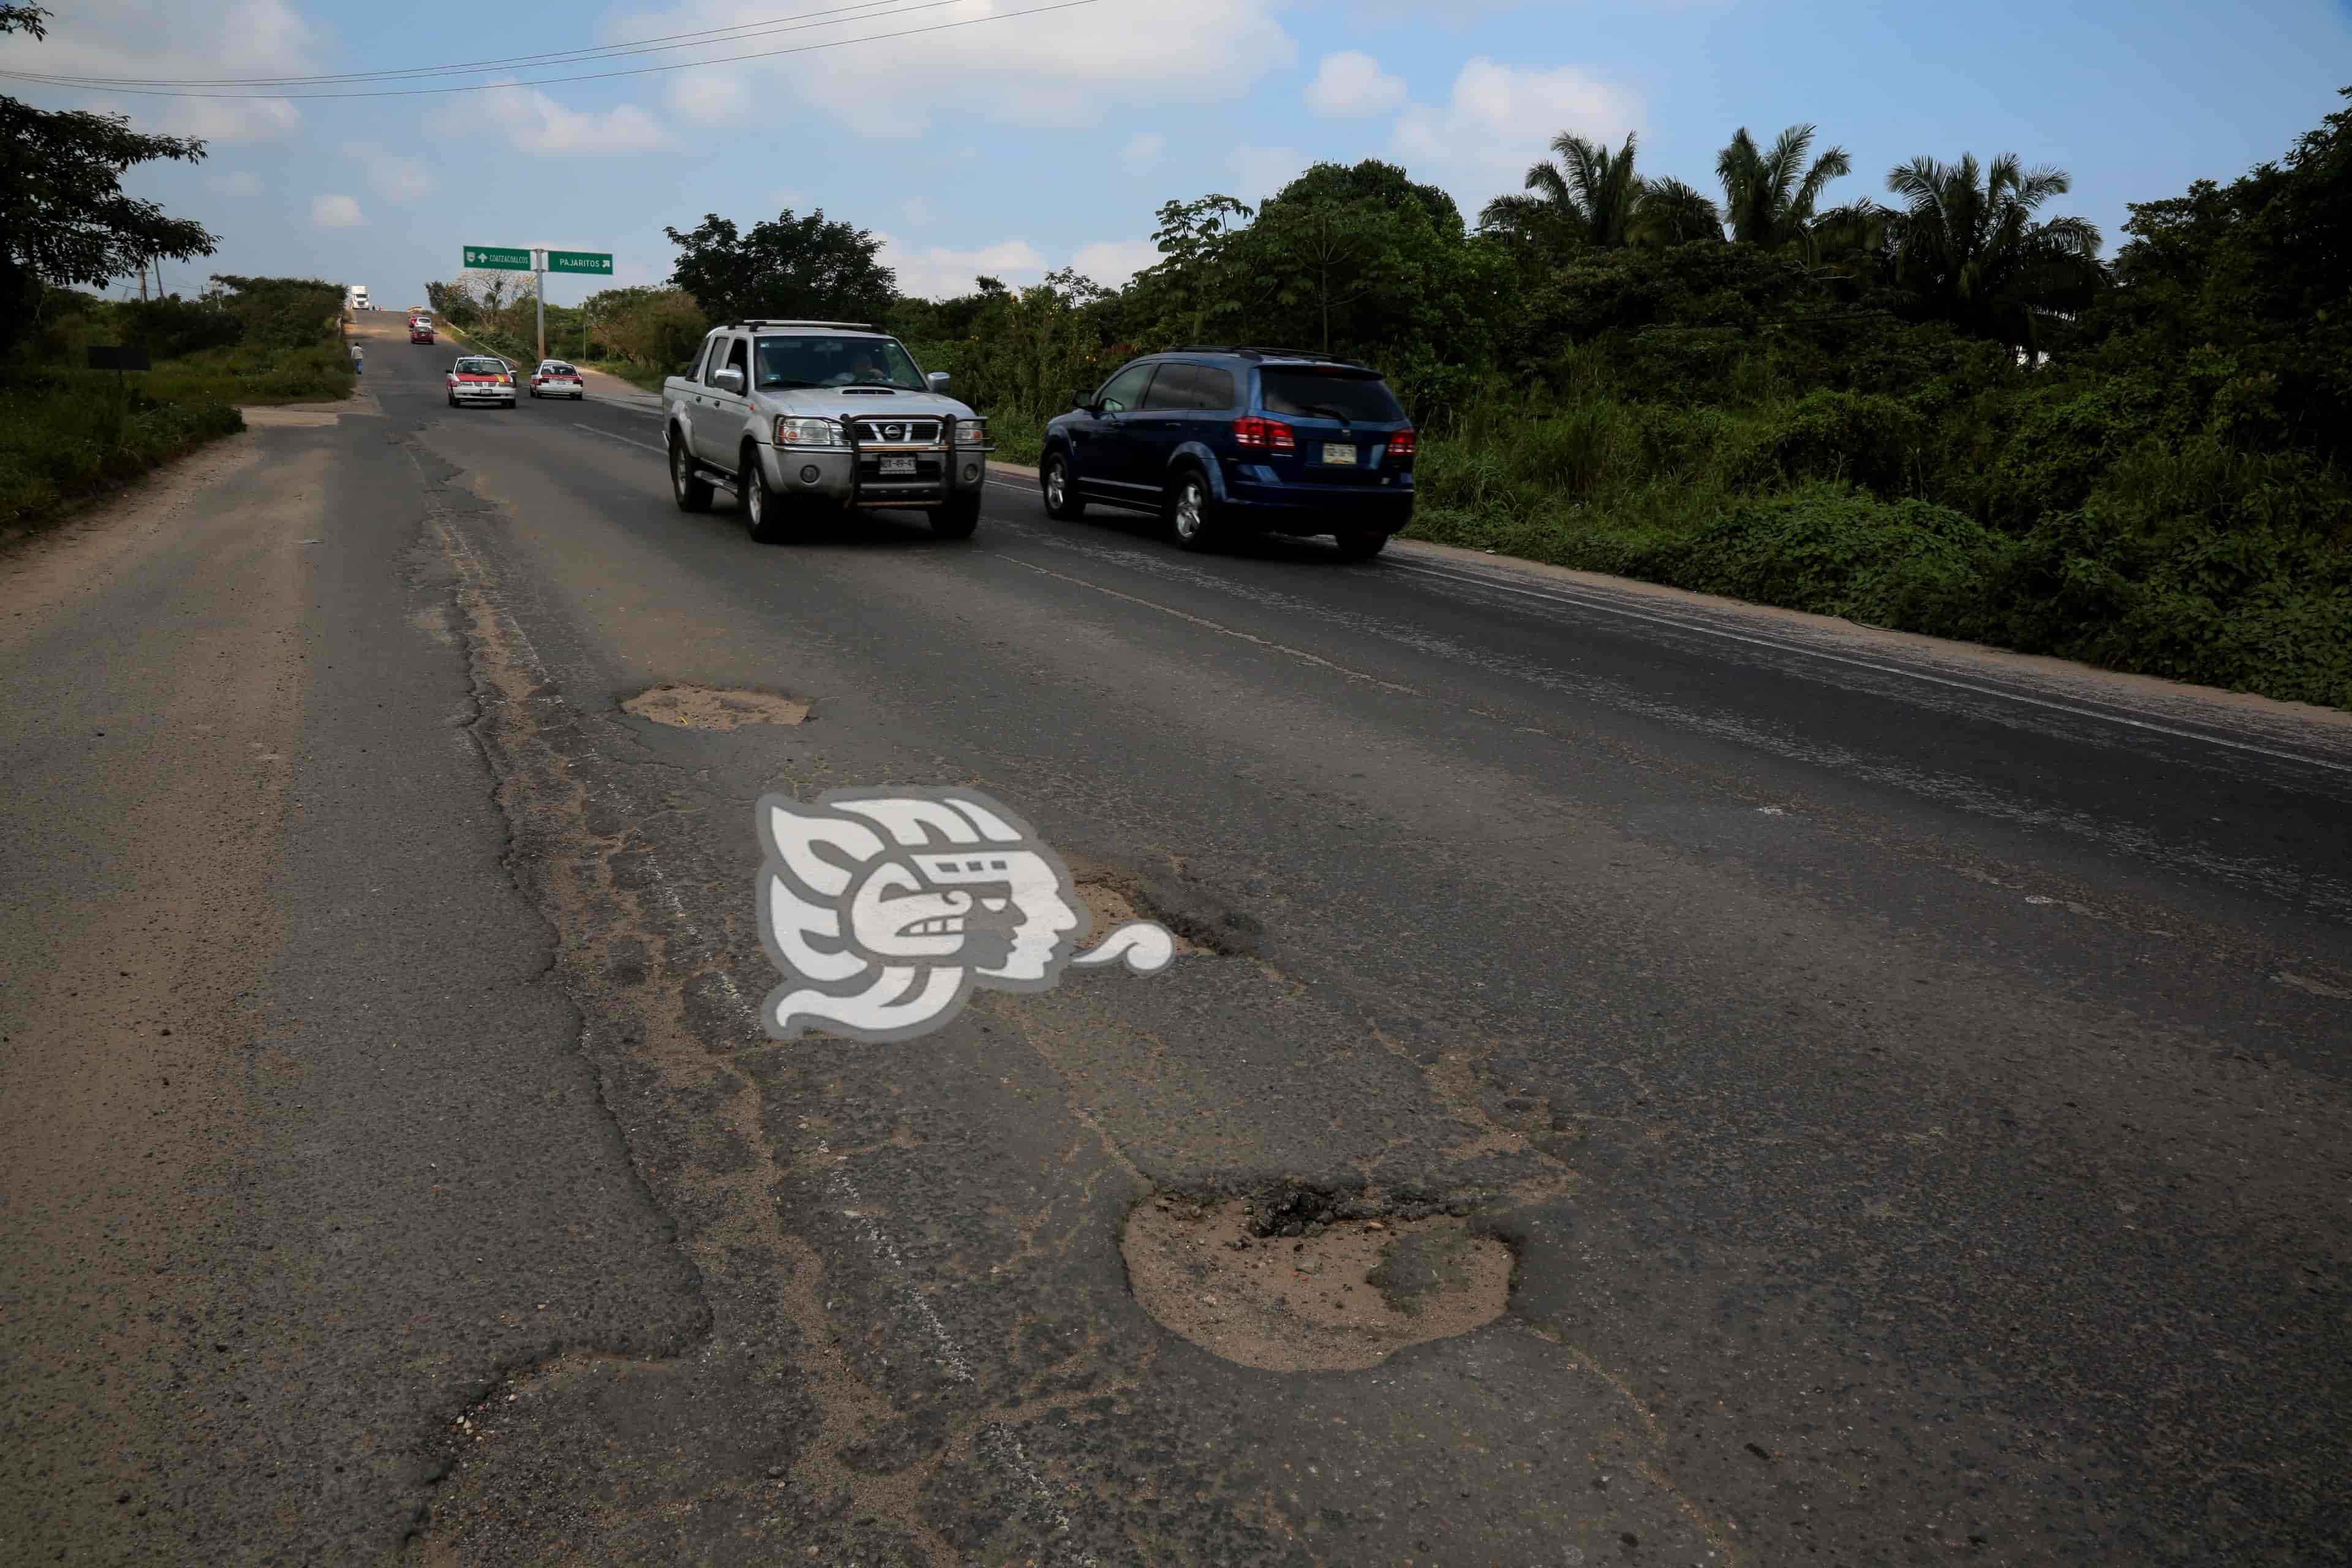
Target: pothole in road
point(1112, 909)
point(708, 708)
point(1349, 1296)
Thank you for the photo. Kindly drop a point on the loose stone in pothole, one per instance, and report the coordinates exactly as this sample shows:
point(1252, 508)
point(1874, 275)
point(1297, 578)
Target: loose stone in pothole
point(1352, 1297)
point(708, 708)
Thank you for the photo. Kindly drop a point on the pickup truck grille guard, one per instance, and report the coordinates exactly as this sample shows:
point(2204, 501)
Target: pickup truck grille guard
point(926, 440)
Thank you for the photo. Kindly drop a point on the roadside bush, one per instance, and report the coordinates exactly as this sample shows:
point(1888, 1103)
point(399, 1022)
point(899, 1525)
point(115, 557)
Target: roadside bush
point(75, 435)
point(1873, 440)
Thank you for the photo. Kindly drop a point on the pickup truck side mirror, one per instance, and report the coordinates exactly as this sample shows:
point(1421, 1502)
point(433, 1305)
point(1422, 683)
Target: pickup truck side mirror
point(938, 380)
point(729, 379)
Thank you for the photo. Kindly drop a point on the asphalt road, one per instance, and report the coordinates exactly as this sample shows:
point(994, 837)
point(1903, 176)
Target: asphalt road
point(1910, 1082)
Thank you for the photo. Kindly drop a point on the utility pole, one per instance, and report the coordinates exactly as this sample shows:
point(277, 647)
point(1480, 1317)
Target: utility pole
point(538, 289)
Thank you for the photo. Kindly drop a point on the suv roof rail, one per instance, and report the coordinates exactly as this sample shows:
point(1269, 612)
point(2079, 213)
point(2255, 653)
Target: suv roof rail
point(1264, 351)
point(775, 321)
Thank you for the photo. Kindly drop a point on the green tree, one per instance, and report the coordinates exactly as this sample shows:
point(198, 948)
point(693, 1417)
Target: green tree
point(1770, 197)
point(1358, 259)
point(1182, 291)
point(64, 219)
point(1587, 193)
point(1673, 213)
point(1967, 247)
point(784, 267)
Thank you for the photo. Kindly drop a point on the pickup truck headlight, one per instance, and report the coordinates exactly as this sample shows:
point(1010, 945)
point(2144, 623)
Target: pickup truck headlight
point(808, 433)
point(971, 432)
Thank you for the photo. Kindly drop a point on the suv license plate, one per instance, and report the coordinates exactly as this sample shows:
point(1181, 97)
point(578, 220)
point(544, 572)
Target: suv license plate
point(1333, 452)
point(897, 465)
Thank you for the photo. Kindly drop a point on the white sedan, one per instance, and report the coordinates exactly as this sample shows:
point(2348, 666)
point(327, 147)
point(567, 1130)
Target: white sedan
point(479, 378)
point(553, 378)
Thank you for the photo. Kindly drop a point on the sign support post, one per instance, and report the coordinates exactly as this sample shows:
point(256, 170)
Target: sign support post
point(538, 289)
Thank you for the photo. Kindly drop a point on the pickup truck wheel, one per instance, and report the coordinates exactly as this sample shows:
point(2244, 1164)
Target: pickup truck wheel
point(959, 518)
point(693, 493)
point(1362, 543)
point(763, 510)
point(1060, 485)
point(1191, 512)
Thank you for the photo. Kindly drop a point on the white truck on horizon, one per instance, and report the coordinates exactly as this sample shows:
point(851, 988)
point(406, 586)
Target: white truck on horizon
point(359, 297)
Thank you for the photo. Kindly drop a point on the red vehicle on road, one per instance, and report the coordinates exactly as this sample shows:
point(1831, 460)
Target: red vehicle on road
point(420, 330)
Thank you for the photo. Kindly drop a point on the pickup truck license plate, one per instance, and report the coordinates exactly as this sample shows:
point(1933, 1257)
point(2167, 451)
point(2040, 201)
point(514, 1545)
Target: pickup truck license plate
point(897, 465)
point(1335, 452)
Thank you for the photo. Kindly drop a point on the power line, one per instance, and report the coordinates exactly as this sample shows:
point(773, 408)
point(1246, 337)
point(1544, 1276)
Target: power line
point(640, 46)
point(595, 76)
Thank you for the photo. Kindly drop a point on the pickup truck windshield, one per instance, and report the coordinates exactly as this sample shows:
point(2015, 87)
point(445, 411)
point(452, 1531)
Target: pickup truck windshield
point(812, 361)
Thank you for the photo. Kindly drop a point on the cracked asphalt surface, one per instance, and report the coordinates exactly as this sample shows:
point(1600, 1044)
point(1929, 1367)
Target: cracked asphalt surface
point(1911, 1081)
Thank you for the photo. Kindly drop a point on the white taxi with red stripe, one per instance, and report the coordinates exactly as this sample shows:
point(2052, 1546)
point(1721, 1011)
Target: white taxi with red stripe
point(553, 378)
point(479, 378)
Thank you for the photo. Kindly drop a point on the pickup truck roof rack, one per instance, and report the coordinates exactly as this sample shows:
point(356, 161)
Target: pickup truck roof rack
point(756, 322)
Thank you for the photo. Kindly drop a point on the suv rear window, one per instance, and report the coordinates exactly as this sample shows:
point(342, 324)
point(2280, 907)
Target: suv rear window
point(1352, 397)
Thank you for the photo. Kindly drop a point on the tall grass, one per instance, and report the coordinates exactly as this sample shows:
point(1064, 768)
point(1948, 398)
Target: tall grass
point(65, 431)
point(2179, 557)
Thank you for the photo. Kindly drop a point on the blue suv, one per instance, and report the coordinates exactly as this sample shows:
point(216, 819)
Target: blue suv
point(1219, 440)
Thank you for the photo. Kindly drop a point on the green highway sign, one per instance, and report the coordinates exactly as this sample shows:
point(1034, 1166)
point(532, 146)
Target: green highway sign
point(498, 257)
point(597, 261)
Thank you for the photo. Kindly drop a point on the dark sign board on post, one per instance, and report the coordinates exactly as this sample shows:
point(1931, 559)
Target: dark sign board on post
point(132, 358)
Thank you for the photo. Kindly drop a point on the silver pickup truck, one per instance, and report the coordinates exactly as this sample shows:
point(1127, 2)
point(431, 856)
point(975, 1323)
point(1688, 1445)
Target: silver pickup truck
point(794, 416)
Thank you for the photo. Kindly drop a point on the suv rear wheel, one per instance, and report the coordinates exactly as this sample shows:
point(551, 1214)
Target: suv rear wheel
point(1191, 511)
point(693, 493)
point(1063, 502)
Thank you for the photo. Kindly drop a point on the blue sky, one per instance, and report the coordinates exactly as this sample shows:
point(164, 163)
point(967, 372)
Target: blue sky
point(1026, 142)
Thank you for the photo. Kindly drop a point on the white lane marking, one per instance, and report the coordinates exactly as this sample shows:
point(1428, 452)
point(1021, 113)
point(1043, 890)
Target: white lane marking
point(1965, 792)
point(949, 1355)
point(1681, 624)
point(1564, 597)
point(1296, 653)
point(608, 436)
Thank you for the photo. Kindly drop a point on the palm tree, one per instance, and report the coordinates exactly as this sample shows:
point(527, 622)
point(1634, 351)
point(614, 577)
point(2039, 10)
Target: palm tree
point(1768, 197)
point(1965, 242)
point(1672, 213)
point(1590, 193)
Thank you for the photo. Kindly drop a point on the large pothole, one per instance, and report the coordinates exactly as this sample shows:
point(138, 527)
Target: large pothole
point(1350, 1295)
point(708, 708)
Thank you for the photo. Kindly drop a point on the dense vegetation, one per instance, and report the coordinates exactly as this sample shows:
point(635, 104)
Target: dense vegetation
point(1944, 414)
point(65, 223)
point(67, 430)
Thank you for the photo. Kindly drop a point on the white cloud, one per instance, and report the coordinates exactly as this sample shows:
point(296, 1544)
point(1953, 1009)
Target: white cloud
point(979, 63)
point(1351, 82)
point(1265, 170)
point(213, 39)
point(1111, 262)
point(395, 178)
point(536, 123)
point(938, 272)
point(796, 201)
point(1502, 117)
point(335, 212)
point(713, 96)
point(1147, 145)
point(244, 183)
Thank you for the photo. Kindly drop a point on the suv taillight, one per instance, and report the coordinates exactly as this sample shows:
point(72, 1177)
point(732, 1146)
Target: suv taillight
point(1403, 444)
point(1255, 434)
